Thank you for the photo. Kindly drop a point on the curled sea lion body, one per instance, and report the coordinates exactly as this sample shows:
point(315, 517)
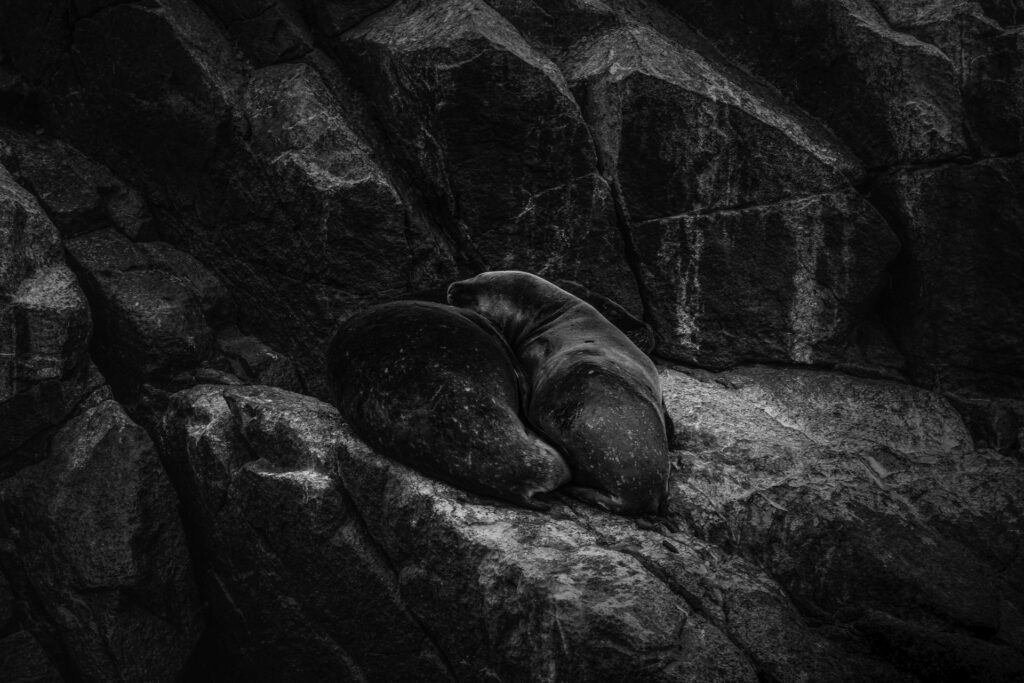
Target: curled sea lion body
point(593, 393)
point(435, 388)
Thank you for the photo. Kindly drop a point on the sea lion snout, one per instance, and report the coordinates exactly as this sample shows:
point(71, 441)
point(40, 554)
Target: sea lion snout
point(460, 294)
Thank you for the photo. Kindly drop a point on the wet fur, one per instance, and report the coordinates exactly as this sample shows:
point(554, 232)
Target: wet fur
point(436, 388)
point(593, 393)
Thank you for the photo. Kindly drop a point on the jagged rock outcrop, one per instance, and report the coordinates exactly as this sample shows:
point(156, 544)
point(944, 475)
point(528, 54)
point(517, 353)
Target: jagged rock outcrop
point(632, 157)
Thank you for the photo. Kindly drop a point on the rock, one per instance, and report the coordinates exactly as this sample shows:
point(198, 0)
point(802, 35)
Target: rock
point(993, 423)
point(47, 319)
point(576, 594)
point(840, 412)
point(257, 363)
point(954, 300)
point(213, 297)
point(702, 158)
point(78, 194)
point(681, 133)
point(112, 570)
point(29, 238)
point(23, 660)
point(719, 298)
point(31, 416)
point(149, 321)
point(269, 32)
point(988, 62)
point(250, 151)
point(444, 77)
point(299, 589)
point(889, 95)
point(319, 162)
point(334, 17)
point(866, 502)
point(44, 323)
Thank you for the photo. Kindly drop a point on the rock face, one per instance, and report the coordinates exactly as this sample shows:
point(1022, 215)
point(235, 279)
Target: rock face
point(633, 157)
point(196, 192)
point(954, 305)
point(925, 93)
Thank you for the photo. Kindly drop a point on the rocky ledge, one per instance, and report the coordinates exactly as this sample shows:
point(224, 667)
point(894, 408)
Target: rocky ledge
point(823, 528)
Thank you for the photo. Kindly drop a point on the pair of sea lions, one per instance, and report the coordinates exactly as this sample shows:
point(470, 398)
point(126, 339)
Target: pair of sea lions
point(434, 386)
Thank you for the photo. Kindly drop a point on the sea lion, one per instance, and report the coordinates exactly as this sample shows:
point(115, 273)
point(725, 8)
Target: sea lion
point(593, 393)
point(435, 388)
point(639, 332)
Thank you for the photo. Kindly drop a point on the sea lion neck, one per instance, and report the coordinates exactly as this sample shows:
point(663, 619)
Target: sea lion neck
point(522, 329)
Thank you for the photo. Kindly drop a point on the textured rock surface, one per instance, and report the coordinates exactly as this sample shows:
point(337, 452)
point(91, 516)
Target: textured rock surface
point(229, 179)
point(606, 142)
point(299, 589)
point(833, 524)
point(150, 320)
point(867, 502)
point(446, 75)
point(78, 194)
point(44, 323)
point(714, 174)
point(955, 300)
point(96, 528)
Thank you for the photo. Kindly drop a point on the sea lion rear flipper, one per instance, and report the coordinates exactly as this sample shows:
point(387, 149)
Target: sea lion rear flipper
point(595, 497)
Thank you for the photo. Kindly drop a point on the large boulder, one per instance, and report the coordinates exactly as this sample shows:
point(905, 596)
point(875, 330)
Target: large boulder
point(44, 324)
point(150, 314)
point(98, 535)
point(445, 76)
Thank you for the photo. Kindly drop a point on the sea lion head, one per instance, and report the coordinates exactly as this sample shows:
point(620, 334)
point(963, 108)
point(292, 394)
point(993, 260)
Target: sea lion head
point(511, 299)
